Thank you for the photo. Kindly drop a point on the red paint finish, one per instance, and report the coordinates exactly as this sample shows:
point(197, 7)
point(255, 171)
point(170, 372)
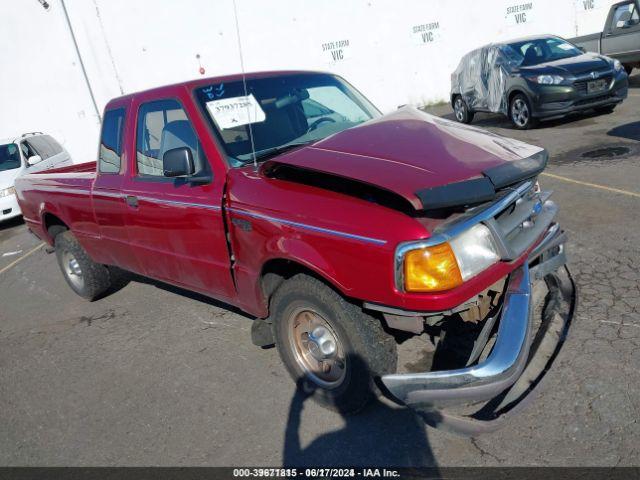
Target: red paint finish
point(183, 233)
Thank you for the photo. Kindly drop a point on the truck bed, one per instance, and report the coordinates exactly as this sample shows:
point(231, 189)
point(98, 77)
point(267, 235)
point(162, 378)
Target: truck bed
point(64, 191)
point(591, 43)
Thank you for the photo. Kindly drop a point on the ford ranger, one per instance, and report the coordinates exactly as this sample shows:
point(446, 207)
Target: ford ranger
point(343, 231)
point(620, 37)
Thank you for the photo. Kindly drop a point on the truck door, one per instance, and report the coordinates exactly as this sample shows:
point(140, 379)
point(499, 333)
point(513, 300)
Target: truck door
point(113, 247)
point(620, 36)
point(175, 224)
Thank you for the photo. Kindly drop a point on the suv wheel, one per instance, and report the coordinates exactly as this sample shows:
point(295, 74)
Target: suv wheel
point(520, 112)
point(331, 348)
point(462, 113)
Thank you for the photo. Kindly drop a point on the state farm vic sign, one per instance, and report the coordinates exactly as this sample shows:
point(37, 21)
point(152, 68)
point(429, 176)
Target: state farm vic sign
point(519, 13)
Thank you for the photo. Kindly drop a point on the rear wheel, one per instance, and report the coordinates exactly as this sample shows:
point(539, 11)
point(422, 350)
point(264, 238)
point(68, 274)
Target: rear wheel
point(520, 112)
point(85, 277)
point(330, 347)
point(461, 110)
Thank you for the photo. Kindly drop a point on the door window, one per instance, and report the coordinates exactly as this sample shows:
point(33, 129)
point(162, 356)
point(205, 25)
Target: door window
point(625, 16)
point(110, 155)
point(162, 126)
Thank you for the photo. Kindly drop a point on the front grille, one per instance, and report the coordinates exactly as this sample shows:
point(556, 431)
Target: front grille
point(587, 101)
point(581, 85)
point(522, 222)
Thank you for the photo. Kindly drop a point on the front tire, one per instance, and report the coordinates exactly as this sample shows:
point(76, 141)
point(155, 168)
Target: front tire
point(520, 112)
point(331, 348)
point(461, 110)
point(628, 68)
point(87, 278)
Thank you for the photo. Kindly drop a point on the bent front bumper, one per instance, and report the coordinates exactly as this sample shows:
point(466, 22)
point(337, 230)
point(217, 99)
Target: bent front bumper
point(502, 383)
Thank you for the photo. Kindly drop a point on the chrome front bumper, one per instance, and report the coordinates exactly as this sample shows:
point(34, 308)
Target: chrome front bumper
point(518, 360)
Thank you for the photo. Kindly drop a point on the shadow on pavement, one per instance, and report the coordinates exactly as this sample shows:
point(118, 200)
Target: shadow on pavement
point(630, 131)
point(11, 223)
point(123, 278)
point(377, 436)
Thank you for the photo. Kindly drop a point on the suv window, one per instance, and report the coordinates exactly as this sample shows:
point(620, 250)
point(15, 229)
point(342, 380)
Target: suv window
point(163, 125)
point(628, 14)
point(44, 145)
point(110, 155)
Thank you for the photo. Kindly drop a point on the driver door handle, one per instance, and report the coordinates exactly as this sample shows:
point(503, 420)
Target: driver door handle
point(131, 200)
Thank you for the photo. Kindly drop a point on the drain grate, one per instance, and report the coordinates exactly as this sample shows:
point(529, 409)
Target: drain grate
point(606, 152)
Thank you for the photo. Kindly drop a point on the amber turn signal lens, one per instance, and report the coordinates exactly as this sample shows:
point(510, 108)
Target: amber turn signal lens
point(431, 269)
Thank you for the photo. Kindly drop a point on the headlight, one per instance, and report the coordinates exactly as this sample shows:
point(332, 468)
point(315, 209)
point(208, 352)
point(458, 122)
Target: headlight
point(7, 191)
point(617, 65)
point(547, 79)
point(447, 265)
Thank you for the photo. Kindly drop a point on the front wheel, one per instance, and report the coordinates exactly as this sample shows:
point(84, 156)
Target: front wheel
point(628, 68)
point(461, 110)
point(520, 113)
point(85, 277)
point(331, 348)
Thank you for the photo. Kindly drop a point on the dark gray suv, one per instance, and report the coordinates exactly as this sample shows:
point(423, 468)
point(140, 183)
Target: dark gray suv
point(535, 78)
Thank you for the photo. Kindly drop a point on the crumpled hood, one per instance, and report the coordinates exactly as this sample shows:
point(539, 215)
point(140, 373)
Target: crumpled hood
point(409, 152)
point(8, 177)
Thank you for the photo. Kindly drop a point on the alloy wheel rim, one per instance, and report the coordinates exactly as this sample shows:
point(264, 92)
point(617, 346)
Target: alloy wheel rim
point(520, 112)
point(72, 269)
point(459, 109)
point(317, 348)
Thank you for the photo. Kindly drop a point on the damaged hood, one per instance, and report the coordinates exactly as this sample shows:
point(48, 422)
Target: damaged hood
point(430, 161)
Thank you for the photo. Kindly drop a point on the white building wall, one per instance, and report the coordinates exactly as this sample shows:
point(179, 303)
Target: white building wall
point(394, 51)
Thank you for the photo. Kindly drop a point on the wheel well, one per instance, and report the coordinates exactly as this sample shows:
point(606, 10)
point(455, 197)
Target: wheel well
point(53, 225)
point(277, 270)
point(513, 94)
point(453, 97)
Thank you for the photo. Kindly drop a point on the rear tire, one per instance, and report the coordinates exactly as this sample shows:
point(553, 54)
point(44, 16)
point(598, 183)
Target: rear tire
point(461, 110)
point(331, 348)
point(87, 278)
point(520, 112)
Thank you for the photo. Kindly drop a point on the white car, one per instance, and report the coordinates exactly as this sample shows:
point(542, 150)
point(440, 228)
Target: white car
point(31, 152)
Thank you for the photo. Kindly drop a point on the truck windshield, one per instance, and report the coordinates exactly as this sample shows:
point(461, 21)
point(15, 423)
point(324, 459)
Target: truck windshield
point(280, 112)
point(9, 157)
point(542, 50)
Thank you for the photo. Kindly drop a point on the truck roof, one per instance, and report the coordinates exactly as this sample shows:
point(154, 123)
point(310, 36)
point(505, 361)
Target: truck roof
point(190, 84)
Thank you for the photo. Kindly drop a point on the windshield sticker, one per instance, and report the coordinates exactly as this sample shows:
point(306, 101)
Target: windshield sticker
point(214, 92)
point(235, 112)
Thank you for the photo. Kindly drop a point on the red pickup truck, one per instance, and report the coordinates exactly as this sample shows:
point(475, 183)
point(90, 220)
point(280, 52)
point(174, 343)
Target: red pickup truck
point(342, 230)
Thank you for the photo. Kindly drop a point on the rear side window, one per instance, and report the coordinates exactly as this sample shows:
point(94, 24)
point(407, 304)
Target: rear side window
point(44, 145)
point(110, 155)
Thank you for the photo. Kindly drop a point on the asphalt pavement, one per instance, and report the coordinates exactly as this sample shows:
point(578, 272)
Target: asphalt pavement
point(153, 375)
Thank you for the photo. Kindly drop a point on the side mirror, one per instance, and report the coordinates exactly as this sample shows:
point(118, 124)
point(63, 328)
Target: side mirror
point(178, 162)
point(33, 160)
point(582, 49)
